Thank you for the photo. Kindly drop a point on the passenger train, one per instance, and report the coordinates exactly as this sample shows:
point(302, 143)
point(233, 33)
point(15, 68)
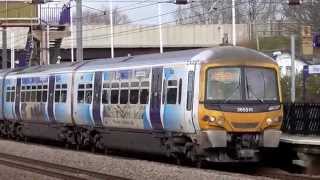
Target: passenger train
point(220, 104)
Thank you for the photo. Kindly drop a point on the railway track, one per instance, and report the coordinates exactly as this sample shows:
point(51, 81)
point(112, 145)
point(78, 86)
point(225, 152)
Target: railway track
point(51, 169)
point(283, 175)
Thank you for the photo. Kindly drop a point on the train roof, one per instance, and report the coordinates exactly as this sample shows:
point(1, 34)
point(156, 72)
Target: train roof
point(203, 55)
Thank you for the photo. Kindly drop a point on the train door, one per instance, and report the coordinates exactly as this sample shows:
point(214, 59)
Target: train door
point(175, 100)
point(61, 98)
point(9, 105)
point(155, 98)
point(96, 104)
point(17, 101)
point(52, 80)
point(83, 99)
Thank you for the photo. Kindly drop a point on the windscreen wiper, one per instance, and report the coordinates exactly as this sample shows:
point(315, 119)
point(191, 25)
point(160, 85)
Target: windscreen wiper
point(249, 89)
point(233, 93)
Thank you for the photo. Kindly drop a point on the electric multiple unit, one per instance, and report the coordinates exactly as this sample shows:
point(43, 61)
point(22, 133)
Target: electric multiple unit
point(220, 104)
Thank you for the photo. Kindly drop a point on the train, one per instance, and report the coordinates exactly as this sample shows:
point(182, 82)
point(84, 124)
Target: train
point(219, 104)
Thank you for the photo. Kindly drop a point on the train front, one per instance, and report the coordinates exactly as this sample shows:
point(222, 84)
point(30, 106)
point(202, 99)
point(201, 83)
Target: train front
point(240, 113)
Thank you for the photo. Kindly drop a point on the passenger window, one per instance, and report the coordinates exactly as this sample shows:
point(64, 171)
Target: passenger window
point(144, 96)
point(57, 96)
point(114, 96)
point(80, 97)
point(88, 97)
point(124, 95)
point(190, 90)
point(8, 96)
point(134, 96)
point(44, 96)
point(23, 96)
point(12, 96)
point(180, 90)
point(28, 96)
point(105, 97)
point(63, 95)
point(33, 96)
point(39, 93)
point(172, 92)
point(171, 95)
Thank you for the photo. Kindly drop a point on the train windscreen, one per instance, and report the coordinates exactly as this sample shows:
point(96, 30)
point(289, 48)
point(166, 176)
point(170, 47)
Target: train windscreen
point(227, 84)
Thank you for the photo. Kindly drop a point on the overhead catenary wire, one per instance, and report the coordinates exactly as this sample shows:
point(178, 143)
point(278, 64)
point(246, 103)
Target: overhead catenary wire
point(122, 33)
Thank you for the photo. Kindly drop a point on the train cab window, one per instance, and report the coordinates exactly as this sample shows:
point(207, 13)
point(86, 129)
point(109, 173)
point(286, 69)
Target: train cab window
point(144, 96)
point(180, 90)
point(124, 95)
point(105, 97)
point(172, 92)
point(134, 96)
point(114, 96)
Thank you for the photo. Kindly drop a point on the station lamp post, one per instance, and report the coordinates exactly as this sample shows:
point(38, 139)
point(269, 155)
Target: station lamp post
point(177, 2)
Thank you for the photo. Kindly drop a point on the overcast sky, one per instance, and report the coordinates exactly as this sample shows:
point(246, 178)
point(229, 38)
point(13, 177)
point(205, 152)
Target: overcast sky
point(150, 9)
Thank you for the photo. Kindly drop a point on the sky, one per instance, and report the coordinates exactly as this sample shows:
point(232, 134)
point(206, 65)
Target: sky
point(144, 9)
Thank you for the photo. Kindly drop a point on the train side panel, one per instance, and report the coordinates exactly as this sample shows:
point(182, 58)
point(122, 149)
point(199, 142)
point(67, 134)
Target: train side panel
point(9, 100)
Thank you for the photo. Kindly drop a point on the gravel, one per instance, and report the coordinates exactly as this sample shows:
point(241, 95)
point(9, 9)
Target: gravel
point(114, 165)
point(17, 174)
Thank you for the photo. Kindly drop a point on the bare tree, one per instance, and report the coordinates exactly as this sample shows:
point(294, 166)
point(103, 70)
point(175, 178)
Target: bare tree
point(304, 14)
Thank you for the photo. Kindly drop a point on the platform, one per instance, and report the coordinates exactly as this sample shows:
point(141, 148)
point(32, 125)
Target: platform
point(300, 139)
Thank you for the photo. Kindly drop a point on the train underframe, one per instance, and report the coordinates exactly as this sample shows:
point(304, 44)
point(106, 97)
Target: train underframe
point(211, 146)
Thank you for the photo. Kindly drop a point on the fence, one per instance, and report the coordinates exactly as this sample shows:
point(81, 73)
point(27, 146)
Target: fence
point(301, 119)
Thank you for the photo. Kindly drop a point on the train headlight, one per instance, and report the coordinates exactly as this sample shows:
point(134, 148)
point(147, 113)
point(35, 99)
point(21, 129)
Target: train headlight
point(273, 121)
point(269, 121)
point(210, 119)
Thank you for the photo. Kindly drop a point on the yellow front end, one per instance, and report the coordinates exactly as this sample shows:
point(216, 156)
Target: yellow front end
point(240, 127)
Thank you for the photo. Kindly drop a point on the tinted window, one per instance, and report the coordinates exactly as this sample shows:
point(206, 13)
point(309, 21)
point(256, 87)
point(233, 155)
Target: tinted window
point(80, 97)
point(44, 96)
point(39, 94)
point(124, 94)
point(171, 95)
point(180, 91)
point(23, 96)
point(88, 97)
point(8, 96)
point(114, 96)
point(105, 97)
point(57, 96)
point(28, 96)
point(33, 96)
point(63, 95)
point(144, 96)
point(134, 96)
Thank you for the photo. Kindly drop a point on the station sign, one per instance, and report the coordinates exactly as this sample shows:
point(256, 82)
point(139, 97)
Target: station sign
point(312, 69)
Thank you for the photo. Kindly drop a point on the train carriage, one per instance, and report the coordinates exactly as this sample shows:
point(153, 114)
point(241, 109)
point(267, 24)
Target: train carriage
point(220, 104)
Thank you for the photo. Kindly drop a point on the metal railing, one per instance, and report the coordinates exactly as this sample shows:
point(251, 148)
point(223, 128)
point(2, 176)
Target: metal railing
point(301, 119)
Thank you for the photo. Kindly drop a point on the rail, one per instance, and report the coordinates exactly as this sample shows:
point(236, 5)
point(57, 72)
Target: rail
point(51, 169)
point(301, 119)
